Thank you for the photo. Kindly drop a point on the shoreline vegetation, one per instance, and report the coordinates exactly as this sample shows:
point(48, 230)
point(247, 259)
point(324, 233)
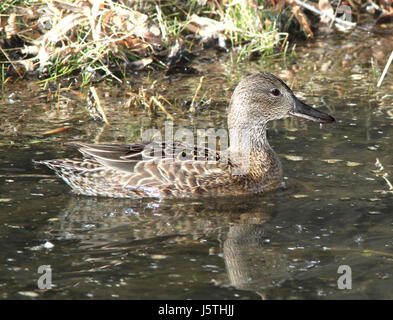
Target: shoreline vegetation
point(86, 41)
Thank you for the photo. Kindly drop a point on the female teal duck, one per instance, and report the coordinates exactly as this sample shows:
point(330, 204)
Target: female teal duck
point(174, 169)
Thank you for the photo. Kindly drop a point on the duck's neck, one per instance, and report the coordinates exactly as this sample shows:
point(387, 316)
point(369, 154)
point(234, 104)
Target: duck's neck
point(252, 153)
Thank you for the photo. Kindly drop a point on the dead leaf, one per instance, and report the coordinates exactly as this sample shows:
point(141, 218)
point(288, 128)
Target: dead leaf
point(301, 17)
point(57, 130)
point(11, 28)
point(205, 27)
point(326, 9)
point(140, 64)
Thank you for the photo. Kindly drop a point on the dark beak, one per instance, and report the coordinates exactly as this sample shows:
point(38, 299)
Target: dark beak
point(302, 110)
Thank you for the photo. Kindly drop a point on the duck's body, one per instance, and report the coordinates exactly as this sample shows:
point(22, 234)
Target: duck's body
point(172, 170)
point(132, 171)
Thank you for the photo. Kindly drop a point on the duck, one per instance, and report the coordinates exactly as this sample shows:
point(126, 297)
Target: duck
point(171, 169)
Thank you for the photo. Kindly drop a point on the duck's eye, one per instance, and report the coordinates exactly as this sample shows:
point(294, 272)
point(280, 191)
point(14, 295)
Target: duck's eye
point(275, 92)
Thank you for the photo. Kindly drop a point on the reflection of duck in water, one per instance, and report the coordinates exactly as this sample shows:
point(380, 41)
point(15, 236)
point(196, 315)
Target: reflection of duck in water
point(240, 230)
point(149, 218)
point(169, 170)
point(249, 262)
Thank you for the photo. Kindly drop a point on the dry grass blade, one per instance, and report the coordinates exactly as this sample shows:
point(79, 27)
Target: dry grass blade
point(161, 106)
point(384, 175)
point(170, 104)
point(97, 104)
point(385, 70)
point(196, 93)
point(11, 62)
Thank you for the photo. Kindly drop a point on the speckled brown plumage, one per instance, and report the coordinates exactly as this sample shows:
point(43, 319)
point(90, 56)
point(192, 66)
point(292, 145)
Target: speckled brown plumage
point(173, 169)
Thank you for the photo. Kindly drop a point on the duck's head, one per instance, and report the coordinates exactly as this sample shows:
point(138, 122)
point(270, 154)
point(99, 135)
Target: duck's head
point(262, 97)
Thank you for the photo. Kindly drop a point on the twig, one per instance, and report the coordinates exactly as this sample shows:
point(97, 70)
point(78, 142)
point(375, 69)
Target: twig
point(385, 70)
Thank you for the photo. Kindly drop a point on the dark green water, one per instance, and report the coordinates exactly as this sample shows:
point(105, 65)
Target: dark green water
point(287, 244)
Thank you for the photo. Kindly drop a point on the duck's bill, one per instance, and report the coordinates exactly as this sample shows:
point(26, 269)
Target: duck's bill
point(302, 110)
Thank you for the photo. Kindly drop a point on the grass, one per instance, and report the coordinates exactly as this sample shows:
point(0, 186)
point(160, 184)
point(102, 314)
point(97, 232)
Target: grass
point(2, 78)
point(251, 29)
point(73, 39)
point(94, 40)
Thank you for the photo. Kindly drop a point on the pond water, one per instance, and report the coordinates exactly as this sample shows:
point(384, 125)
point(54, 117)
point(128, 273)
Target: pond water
point(336, 208)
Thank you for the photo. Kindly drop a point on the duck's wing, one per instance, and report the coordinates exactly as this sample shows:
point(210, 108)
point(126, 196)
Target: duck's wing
point(124, 157)
point(121, 157)
point(158, 169)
